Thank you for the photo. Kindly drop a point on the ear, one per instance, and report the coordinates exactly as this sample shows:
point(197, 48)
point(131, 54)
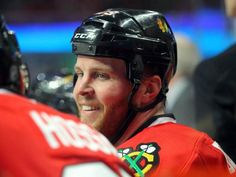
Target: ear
point(148, 90)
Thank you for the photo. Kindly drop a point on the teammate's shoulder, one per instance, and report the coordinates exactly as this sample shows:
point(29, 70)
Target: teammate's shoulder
point(10, 99)
point(13, 101)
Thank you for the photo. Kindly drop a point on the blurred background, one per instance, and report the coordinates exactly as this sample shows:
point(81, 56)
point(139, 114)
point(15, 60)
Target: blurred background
point(44, 29)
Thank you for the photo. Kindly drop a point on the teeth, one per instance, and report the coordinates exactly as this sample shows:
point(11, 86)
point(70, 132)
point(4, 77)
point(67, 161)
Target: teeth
point(88, 108)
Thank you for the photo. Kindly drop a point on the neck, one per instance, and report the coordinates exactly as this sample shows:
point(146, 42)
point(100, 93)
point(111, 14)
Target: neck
point(139, 119)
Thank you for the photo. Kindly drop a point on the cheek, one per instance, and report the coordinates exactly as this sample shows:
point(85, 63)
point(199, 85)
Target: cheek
point(74, 92)
point(113, 93)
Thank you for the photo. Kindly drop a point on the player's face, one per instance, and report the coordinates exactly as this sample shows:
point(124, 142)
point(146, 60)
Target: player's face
point(101, 92)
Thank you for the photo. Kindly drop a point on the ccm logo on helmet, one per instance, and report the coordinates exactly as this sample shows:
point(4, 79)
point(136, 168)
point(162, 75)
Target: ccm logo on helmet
point(90, 36)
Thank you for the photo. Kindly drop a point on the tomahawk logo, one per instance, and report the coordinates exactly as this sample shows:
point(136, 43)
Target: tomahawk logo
point(141, 160)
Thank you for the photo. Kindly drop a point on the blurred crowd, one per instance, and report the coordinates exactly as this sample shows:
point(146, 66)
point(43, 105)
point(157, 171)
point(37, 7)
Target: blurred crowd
point(72, 10)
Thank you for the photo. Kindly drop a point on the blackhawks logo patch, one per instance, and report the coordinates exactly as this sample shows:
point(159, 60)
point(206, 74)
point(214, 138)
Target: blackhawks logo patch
point(142, 159)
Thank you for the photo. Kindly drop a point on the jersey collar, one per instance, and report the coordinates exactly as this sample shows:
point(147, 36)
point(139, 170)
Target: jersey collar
point(161, 119)
point(155, 120)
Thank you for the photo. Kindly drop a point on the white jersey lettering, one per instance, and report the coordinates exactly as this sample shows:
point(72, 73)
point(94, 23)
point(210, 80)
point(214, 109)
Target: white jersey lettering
point(58, 131)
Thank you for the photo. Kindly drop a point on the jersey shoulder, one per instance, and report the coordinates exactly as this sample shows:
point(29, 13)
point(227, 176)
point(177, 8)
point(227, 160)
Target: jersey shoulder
point(170, 144)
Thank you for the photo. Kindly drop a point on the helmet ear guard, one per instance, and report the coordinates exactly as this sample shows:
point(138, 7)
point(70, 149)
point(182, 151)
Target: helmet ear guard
point(135, 71)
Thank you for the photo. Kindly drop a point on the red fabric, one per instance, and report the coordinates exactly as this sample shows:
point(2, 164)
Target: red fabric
point(26, 152)
point(182, 151)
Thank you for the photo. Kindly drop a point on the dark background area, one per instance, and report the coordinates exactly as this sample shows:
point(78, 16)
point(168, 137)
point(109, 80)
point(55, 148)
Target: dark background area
point(19, 11)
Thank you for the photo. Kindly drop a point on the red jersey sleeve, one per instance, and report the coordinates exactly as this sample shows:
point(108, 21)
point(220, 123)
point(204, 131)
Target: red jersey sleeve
point(208, 160)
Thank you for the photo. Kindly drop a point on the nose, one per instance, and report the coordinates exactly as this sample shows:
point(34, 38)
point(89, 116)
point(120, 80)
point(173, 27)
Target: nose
point(83, 87)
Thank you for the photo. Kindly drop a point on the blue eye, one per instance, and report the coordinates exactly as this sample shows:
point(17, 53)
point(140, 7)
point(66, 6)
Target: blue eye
point(101, 76)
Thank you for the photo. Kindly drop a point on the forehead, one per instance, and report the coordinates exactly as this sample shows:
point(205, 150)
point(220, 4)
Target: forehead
point(100, 63)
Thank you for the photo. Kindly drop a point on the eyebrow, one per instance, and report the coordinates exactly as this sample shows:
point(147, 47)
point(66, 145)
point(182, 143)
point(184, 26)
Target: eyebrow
point(76, 68)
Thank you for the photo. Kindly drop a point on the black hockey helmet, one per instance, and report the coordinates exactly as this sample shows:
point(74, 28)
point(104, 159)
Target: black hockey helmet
point(13, 73)
point(137, 36)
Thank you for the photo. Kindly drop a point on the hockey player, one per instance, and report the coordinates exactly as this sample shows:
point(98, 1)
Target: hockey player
point(38, 141)
point(125, 60)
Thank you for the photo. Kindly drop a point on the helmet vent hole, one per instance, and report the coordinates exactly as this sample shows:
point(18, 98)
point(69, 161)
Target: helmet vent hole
point(94, 24)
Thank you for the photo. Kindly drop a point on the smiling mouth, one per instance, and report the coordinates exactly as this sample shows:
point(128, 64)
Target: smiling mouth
point(88, 108)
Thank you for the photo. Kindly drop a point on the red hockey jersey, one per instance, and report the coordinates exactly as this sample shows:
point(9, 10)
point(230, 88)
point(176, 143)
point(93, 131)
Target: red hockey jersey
point(168, 149)
point(38, 141)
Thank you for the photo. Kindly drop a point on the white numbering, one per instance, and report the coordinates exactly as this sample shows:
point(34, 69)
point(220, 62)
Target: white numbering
point(91, 169)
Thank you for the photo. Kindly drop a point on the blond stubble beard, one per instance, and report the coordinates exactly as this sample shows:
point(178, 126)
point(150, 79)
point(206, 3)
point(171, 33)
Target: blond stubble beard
point(112, 124)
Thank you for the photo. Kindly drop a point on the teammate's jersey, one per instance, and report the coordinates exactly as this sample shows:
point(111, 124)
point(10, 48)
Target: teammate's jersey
point(167, 149)
point(38, 141)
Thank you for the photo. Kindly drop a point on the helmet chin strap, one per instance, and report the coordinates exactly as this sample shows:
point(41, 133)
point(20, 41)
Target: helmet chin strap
point(134, 72)
point(131, 113)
